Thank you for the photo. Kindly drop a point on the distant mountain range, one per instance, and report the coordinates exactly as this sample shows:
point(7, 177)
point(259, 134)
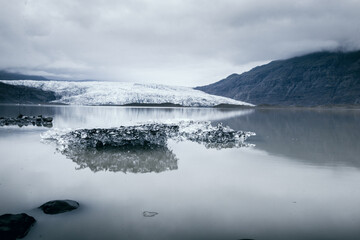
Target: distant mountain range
point(323, 78)
point(5, 75)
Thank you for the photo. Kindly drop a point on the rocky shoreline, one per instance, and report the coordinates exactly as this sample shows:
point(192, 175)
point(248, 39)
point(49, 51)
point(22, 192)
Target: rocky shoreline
point(22, 120)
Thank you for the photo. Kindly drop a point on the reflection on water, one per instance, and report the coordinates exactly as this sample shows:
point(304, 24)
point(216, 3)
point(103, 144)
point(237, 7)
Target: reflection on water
point(299, 182)
point(125, 159)
point(91, 117)
point(316, 137)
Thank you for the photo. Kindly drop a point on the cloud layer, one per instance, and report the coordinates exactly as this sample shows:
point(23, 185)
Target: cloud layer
point(178, 42)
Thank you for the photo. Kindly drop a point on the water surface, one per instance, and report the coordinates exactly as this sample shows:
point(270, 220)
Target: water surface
point(299, 181)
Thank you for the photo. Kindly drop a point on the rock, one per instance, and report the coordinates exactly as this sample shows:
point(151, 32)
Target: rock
point(59, 206)
point(99, 144)
point(13, 226)
point(149, 214)
point(47, 119)
point(22, 120)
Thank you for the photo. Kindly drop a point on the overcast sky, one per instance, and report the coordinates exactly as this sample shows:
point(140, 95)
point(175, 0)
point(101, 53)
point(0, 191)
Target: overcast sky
point(177, 42)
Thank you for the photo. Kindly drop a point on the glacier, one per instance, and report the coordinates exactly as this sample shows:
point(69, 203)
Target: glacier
point(122, 93)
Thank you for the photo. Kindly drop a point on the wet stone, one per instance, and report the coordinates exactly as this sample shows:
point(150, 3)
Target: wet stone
point(47, 119)
point(22, 120)
point(59, 206)
point(150, 214)
point(13, 226)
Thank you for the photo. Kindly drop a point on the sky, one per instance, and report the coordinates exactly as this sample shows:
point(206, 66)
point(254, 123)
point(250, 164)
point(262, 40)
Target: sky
point(174, 42)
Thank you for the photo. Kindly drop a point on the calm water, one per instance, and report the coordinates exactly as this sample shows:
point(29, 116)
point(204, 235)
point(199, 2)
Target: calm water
point(300, 181)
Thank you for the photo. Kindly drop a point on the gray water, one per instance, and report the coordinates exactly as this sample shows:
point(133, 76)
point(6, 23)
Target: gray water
point(299, 181)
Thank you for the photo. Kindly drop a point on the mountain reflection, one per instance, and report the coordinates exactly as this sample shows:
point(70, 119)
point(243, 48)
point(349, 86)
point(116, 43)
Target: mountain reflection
point(124, 159)
point(316, 137)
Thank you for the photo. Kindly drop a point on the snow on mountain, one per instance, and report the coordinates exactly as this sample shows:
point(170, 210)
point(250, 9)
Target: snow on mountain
point(120, 93)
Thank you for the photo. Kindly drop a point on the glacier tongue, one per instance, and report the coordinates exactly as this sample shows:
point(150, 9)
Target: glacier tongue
point(121, 93)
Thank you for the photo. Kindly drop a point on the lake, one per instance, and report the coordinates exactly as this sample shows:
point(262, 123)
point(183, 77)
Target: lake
point(298, 179)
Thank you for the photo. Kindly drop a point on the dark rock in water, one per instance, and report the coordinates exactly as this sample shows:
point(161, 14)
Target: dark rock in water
point(59, 206)
point(47, 119)
point(150, 214)
point(99, 144)
point(22, 120)
point(13, 226)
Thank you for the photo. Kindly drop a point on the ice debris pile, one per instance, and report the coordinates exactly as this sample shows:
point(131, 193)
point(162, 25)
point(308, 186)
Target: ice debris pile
point(218, 136)
point(150, 135)
point(141, 148)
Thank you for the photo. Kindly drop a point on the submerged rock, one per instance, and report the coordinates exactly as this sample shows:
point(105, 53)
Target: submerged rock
point(22, 120)
point(13, 226)
point(59, 206)
point(150, 214)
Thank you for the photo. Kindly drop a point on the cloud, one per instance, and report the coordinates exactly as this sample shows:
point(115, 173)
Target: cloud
point(179, 42)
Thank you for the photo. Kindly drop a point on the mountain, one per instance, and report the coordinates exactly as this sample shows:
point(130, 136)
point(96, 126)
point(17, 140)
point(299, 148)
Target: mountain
point(122, 93)
point(323, 78)
point(22, 94)
point(4, 75)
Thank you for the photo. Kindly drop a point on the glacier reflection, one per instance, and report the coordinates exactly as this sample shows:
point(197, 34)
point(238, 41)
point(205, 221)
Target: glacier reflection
point(124, 159)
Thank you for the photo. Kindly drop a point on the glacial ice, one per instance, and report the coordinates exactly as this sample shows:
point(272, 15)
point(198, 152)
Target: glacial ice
point(140, 148)
point(120, 93)
point(150, 134)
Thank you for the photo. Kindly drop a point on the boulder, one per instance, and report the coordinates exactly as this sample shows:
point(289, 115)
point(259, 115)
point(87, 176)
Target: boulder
point(13, 226)
point(59, 206)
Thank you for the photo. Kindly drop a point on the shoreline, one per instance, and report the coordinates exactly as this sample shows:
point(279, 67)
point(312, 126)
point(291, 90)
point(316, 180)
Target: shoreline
point(220, 106)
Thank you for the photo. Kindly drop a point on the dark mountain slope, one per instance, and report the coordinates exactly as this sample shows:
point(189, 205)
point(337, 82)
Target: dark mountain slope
point(4, 75)
point(323, 78)
point(22, 94)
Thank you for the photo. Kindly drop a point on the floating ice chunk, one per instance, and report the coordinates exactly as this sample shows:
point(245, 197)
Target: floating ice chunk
point(141, 148)
point(152, 134)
